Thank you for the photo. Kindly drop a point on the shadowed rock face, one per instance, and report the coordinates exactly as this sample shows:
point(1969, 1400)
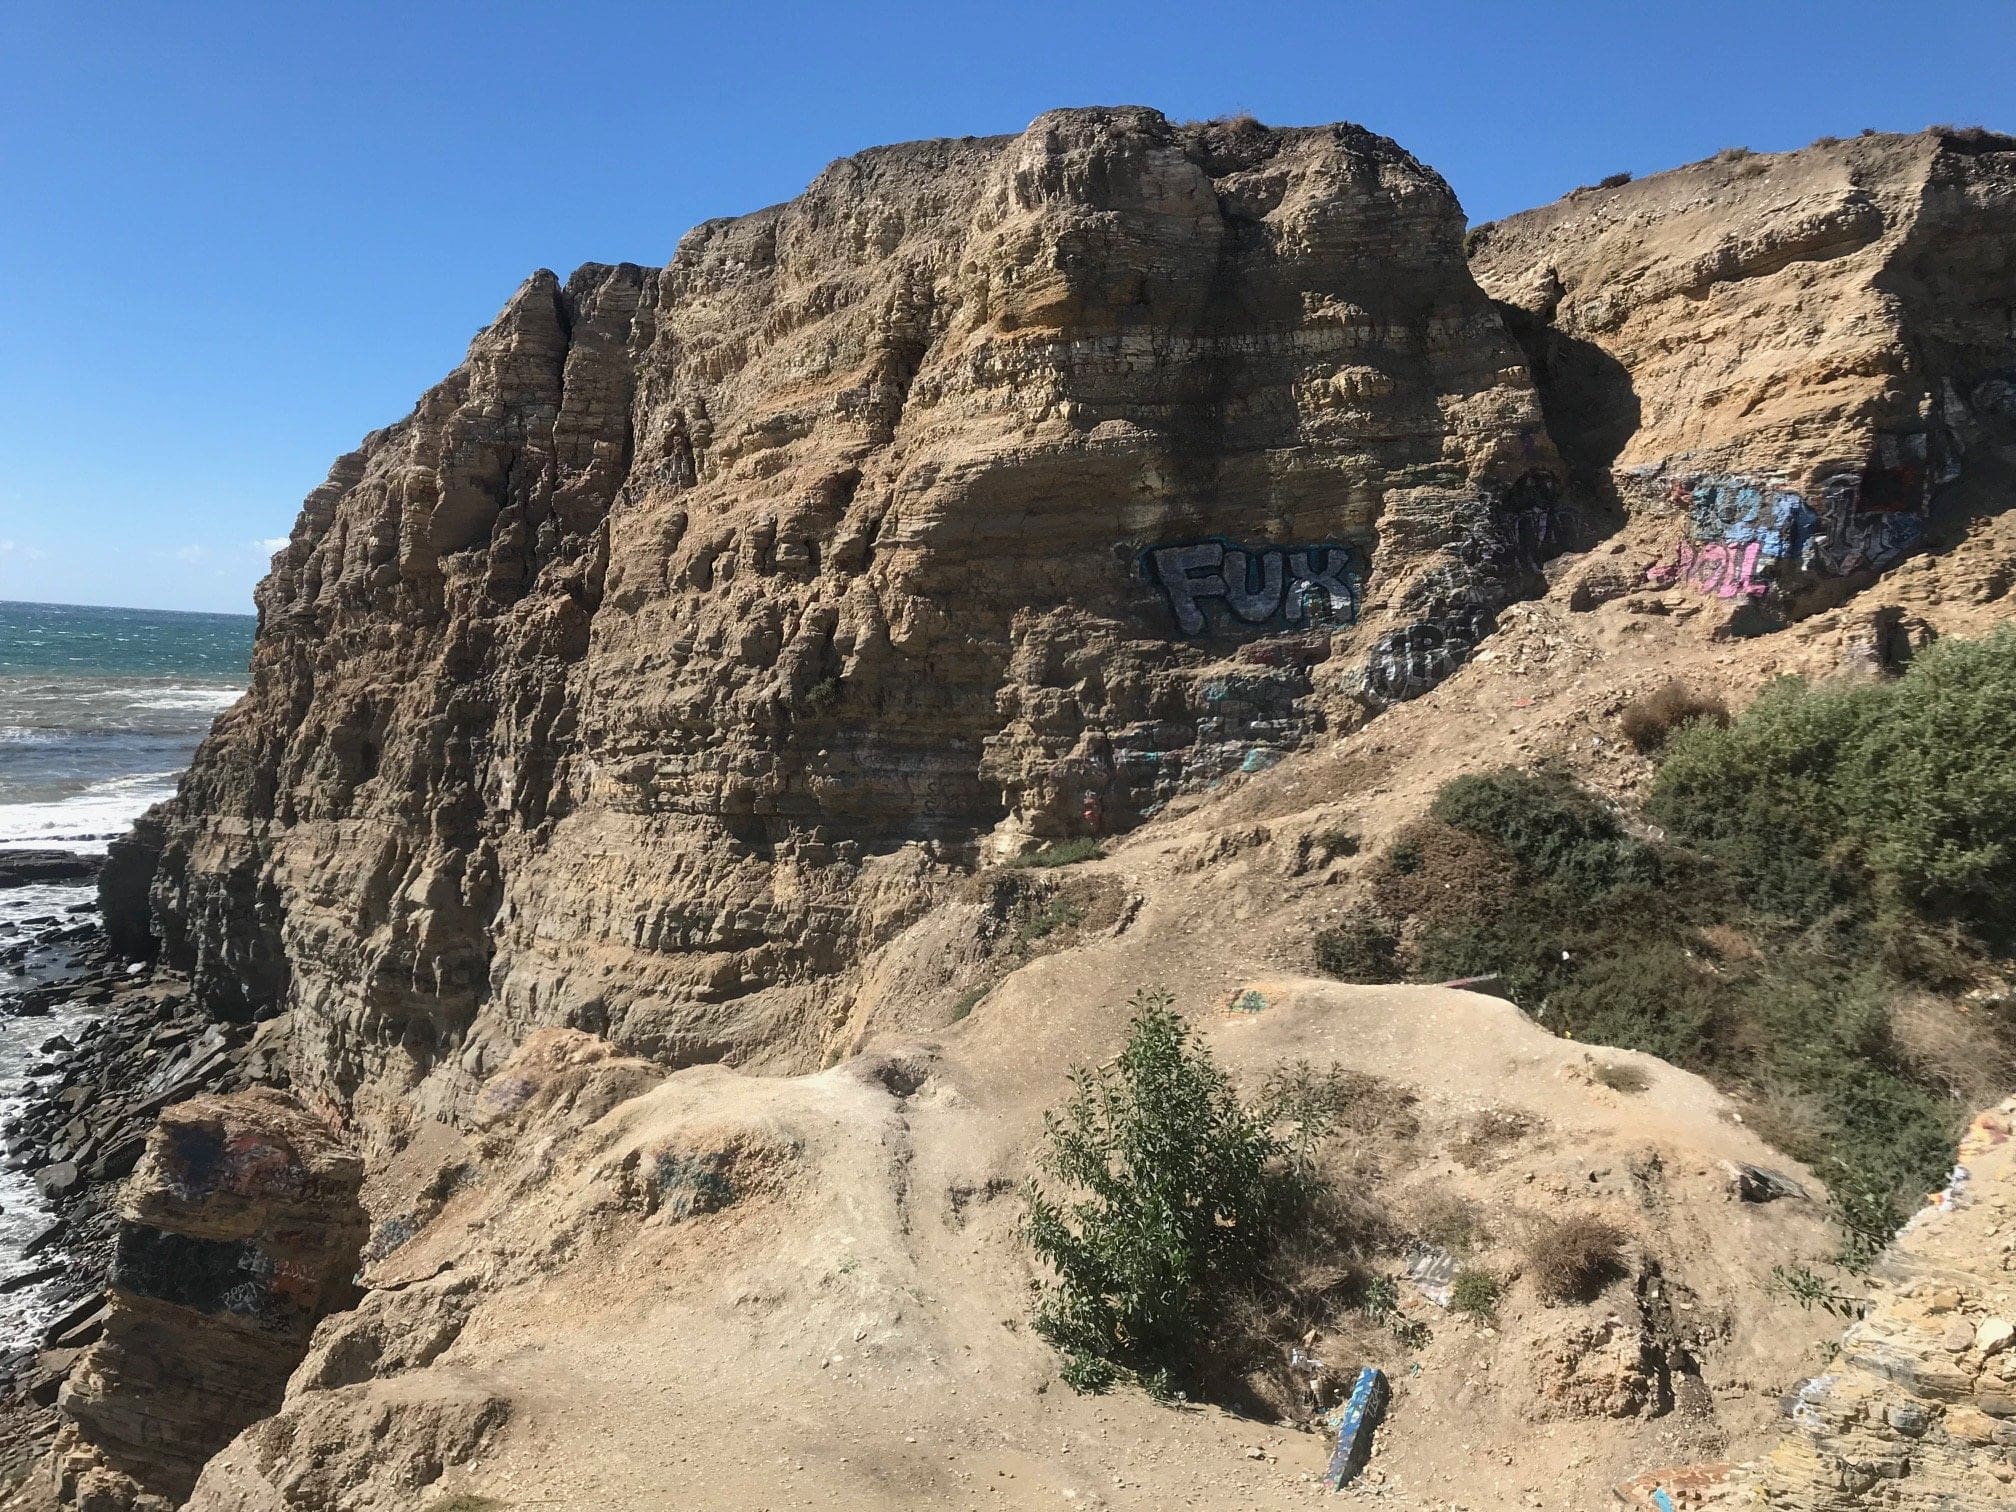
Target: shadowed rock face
point(679, 642)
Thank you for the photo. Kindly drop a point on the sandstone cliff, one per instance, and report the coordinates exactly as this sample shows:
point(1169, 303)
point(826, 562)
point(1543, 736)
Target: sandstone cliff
point(670, 653)
point(1785, 357)
point(648, 697)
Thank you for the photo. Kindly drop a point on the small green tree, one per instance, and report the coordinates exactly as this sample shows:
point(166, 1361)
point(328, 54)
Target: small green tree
point(1174, 1185)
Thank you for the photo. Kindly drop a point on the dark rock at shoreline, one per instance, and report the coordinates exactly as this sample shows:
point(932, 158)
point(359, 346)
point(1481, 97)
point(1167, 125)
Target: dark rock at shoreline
point(81, 1127)
point(123, 888)
point(240, 1231)
point(33, 1277)
point(21, 868)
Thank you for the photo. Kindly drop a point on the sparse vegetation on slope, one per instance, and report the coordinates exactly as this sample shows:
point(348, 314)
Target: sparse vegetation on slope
point(1835, 852)
point(1362, 948)
point(1892, 803)
point(1058, 853)
point(1651, 719)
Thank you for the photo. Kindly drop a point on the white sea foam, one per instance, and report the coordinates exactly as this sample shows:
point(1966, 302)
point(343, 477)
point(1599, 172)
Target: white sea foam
point(218, 699)
point(87, 821)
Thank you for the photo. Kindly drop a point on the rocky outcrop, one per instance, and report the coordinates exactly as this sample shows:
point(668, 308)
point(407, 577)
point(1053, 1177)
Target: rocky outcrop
point(1917, 1410)
point(1786, 359)
point(239, 1230)
point(678, 647)
point(24, 868)
point(123, 885)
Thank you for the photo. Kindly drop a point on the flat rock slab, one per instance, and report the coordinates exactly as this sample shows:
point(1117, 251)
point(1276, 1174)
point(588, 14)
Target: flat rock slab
point(23, 868)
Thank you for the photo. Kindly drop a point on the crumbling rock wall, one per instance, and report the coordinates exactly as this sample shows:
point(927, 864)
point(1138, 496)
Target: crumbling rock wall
point(1789, 356)
point(680, 644)
point(239, 1230)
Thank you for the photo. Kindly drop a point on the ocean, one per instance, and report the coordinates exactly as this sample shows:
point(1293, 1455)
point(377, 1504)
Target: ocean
point(100, 710)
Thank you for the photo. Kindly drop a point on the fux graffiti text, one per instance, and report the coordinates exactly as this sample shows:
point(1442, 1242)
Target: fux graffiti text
point(1299, 584)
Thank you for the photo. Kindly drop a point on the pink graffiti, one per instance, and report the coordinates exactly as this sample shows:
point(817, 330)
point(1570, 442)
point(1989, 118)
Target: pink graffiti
point(1725, 571)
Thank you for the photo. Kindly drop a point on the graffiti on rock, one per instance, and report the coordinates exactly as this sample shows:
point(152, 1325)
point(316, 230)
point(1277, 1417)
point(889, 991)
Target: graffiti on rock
point(1745, 534)
point(1301, 585)
point(1739, 533)
point(1501, 538)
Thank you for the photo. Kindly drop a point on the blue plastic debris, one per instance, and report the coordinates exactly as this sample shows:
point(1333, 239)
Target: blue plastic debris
point(1661, 1500)
point(1355, 1426)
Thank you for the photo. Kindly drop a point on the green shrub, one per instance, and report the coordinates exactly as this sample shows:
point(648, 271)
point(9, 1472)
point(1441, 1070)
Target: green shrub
point(1475, 1292)
point(1895, 796)
point(1643, 990)
point(1805, 1036)
point(1551, 827)
point(1057, 912)
point(1174, 1187)
point(969, 1000)
point(822, 697)
point(1335, 842)
point(1810, 1289)
point(1849, 840)
point(1876, 1135)
point(1059, 853)
point(1311, 1102)
point(1360, 948)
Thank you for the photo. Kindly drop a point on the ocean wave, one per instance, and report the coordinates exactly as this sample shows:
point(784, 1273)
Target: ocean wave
point(40, 714)
point(185, 698)
point(85, 822)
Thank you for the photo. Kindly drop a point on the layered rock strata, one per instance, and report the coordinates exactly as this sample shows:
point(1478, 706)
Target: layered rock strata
point(678, 648)
point(239, 1230)
point(678, 645)
point(1918, 1407)
point(1789, 357)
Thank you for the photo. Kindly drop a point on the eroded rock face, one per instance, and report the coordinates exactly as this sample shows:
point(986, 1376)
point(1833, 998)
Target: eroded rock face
point(1918, 1407)
point(239, 1230)
point(1788, 356)
point(676, 648)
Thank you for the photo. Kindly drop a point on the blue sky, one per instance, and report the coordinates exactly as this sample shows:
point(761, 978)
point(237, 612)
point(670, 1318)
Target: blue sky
point(235, 237)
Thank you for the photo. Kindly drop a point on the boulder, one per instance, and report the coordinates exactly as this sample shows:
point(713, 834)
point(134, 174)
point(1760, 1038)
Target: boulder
point(238, 1231)
point(1905, 1416)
